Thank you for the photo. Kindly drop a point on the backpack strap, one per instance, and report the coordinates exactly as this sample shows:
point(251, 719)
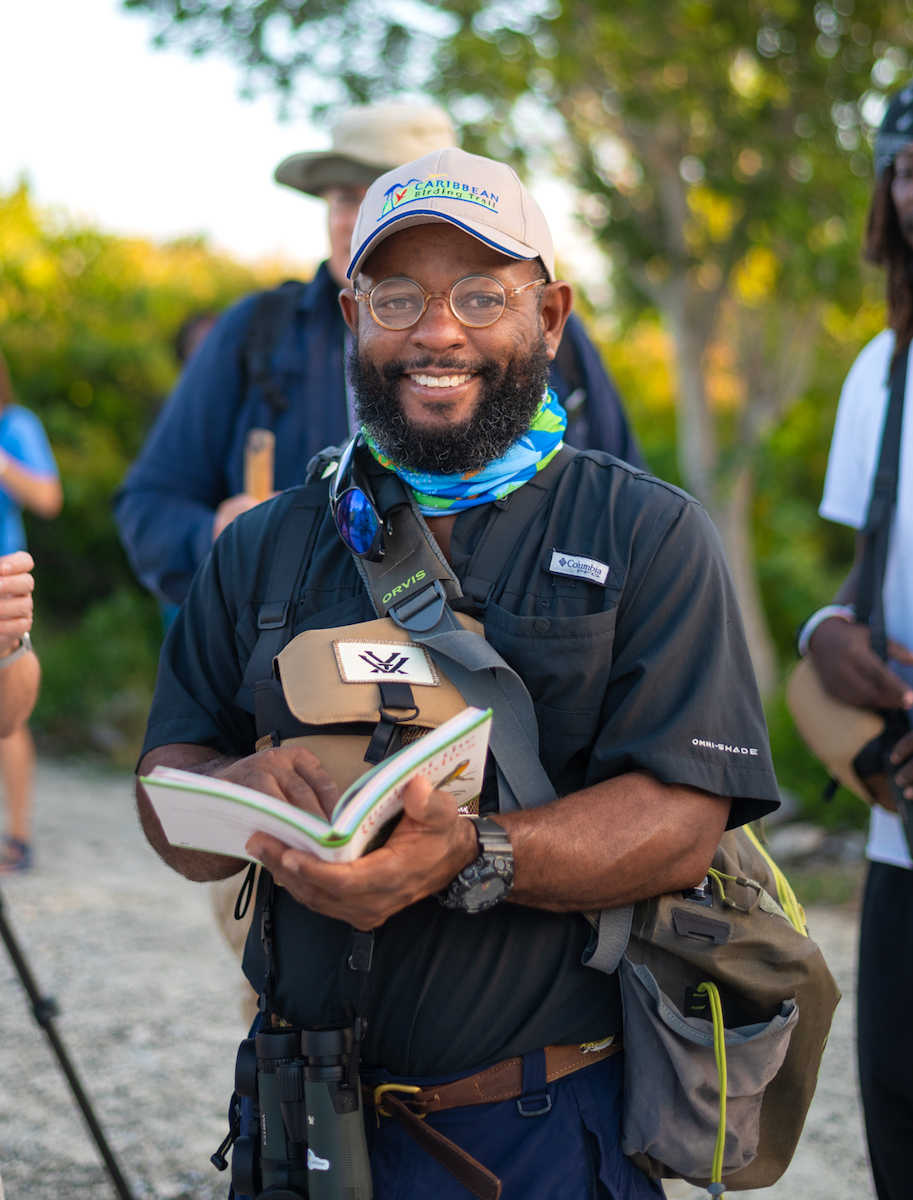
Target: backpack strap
point(273, 312)
point(276, 616)
point(877, 532)
point(507, 528)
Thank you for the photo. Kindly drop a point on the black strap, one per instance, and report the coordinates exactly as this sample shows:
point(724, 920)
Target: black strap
point(272, 314)
point(869, 593)
point(277, 613)
point(392, 695)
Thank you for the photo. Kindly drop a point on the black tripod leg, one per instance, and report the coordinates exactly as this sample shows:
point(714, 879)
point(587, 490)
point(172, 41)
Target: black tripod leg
point(45, 1009)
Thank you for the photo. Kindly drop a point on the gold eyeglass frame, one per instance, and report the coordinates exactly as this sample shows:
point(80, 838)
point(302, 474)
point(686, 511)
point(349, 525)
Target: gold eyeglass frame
point(365, 297)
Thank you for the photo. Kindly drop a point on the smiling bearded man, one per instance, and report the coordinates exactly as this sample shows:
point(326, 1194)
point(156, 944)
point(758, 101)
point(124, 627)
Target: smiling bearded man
point(459, 951)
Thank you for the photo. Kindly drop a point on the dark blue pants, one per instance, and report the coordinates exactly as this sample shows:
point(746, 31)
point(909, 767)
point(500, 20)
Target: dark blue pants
point(571, 1152)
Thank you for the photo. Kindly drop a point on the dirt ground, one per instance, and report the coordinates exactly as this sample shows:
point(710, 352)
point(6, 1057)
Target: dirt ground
point(149, 994)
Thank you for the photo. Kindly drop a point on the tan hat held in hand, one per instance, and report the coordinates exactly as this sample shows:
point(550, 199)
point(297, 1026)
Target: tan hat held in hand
point(483, 197)
point(366, 142)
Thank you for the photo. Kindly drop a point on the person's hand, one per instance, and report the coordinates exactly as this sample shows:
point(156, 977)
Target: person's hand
point(288, 773)
point(430, 845)
point(851, 670)
point(231, 508)
point(16, 587)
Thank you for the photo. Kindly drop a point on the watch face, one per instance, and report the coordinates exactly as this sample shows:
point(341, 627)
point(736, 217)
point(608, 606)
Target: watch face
point(486, 893)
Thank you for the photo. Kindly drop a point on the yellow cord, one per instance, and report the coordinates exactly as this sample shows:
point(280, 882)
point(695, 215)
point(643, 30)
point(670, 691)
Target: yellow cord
point(719, 1048)
point(788, 902)
point(719, 876)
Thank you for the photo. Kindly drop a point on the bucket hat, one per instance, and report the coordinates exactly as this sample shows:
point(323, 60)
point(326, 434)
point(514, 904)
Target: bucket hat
point(367, 141)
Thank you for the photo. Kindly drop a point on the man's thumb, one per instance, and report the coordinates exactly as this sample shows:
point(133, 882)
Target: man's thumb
point(416, 799)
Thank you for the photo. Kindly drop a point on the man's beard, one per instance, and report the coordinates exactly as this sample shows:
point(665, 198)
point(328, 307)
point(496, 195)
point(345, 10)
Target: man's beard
point(510, 395)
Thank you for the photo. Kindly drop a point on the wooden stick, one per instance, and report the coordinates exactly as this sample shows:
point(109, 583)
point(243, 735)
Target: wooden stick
point(259, 461)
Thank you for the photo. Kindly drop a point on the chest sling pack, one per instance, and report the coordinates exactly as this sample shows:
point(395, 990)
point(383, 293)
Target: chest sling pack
point(727, 1001)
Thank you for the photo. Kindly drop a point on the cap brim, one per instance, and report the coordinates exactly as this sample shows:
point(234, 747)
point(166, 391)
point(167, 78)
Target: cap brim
point(313, 172)
point(477, 229)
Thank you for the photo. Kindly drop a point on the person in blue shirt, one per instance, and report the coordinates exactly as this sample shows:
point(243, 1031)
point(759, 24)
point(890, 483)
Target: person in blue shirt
point(28, 479)
point(188, 483)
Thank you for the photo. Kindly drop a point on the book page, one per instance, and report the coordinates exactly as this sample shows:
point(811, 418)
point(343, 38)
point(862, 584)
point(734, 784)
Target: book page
point(201, 813)
point(454, 762)
point(214, 815)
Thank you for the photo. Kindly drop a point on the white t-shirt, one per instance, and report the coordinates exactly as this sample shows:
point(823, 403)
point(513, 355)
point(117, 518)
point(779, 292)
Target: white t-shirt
point(847, 491)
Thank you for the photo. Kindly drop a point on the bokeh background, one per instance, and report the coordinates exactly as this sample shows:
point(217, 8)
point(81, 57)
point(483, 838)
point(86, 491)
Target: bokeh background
point(707, 168)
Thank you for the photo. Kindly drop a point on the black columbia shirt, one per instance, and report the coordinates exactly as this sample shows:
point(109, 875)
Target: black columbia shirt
point(650, 671)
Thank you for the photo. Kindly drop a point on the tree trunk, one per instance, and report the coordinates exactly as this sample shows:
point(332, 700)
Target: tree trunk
point(732, 515)
point(727, 500)
point(696, 445)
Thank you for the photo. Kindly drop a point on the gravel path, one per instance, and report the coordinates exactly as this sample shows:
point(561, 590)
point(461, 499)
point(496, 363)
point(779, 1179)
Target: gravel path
point(149, 999)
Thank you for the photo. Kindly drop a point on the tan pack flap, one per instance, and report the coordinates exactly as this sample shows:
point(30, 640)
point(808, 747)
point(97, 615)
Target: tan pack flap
point(834, 732)
point(327, 674)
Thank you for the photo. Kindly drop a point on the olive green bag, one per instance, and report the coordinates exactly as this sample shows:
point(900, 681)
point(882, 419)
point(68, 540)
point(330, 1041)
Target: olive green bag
point(727, 1007)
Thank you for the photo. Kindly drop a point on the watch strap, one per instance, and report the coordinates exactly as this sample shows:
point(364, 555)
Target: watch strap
point(24, 647)
point(494, 861)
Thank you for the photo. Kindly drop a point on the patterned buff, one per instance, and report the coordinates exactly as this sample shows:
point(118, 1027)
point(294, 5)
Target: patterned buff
point(437, 494)
point(896, 130)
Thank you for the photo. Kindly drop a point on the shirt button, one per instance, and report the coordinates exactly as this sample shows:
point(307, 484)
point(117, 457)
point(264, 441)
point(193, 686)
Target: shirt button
point(545, 604)
point(541, 625)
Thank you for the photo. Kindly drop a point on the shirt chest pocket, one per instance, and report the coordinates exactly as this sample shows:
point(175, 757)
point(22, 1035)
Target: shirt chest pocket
point(565, 663)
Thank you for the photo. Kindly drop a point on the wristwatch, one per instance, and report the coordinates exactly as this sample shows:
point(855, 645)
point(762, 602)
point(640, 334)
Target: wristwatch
point(485, 882)
point(25, 645)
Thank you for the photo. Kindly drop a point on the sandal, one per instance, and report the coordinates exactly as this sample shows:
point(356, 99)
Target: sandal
point(16, 856)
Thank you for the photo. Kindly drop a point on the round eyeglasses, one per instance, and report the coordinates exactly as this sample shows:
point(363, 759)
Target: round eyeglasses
point(476, 300)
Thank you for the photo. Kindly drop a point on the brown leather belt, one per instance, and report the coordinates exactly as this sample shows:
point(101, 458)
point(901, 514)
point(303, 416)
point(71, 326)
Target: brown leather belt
point(503, 1081)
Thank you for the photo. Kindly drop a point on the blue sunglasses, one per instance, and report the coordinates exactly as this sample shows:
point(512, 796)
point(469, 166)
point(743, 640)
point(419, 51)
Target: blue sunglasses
point(354, 510)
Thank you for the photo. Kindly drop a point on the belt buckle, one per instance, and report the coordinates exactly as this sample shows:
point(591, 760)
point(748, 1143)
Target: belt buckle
point(394, 1087)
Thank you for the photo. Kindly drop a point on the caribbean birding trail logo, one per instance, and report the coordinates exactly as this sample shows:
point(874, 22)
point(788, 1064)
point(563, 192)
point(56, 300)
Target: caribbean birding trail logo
point(438, 185)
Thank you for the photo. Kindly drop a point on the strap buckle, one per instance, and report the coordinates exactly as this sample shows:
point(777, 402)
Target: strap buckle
point(394, 1087)
point(420, 614)
point(272, 614)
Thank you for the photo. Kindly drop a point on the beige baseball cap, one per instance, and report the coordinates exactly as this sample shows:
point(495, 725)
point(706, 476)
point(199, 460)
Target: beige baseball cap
point(483, 197)
point(366, 142)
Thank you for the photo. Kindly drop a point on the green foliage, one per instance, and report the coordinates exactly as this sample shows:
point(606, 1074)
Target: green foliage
point(87, 322)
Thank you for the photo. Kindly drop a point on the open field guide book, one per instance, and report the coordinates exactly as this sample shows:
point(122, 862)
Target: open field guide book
point(211, 814)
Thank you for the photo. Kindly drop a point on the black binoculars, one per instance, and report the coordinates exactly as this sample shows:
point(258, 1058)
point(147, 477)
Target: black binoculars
point(307, 1135)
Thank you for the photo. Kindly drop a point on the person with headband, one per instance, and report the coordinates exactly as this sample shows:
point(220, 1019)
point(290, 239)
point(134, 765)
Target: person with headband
point(608, 595)
point(841, 649)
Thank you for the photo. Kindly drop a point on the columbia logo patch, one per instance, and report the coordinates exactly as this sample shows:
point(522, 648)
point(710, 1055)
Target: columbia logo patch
point(368, 662)
point(577, 566)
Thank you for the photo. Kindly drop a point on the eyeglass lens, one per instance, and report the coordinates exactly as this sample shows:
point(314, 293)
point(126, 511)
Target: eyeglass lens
point(356, 521)
point(477, 301)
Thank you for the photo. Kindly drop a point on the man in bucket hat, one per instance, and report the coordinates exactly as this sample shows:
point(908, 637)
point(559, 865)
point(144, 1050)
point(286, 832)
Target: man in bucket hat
point(460, 948)
point(277, 361)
